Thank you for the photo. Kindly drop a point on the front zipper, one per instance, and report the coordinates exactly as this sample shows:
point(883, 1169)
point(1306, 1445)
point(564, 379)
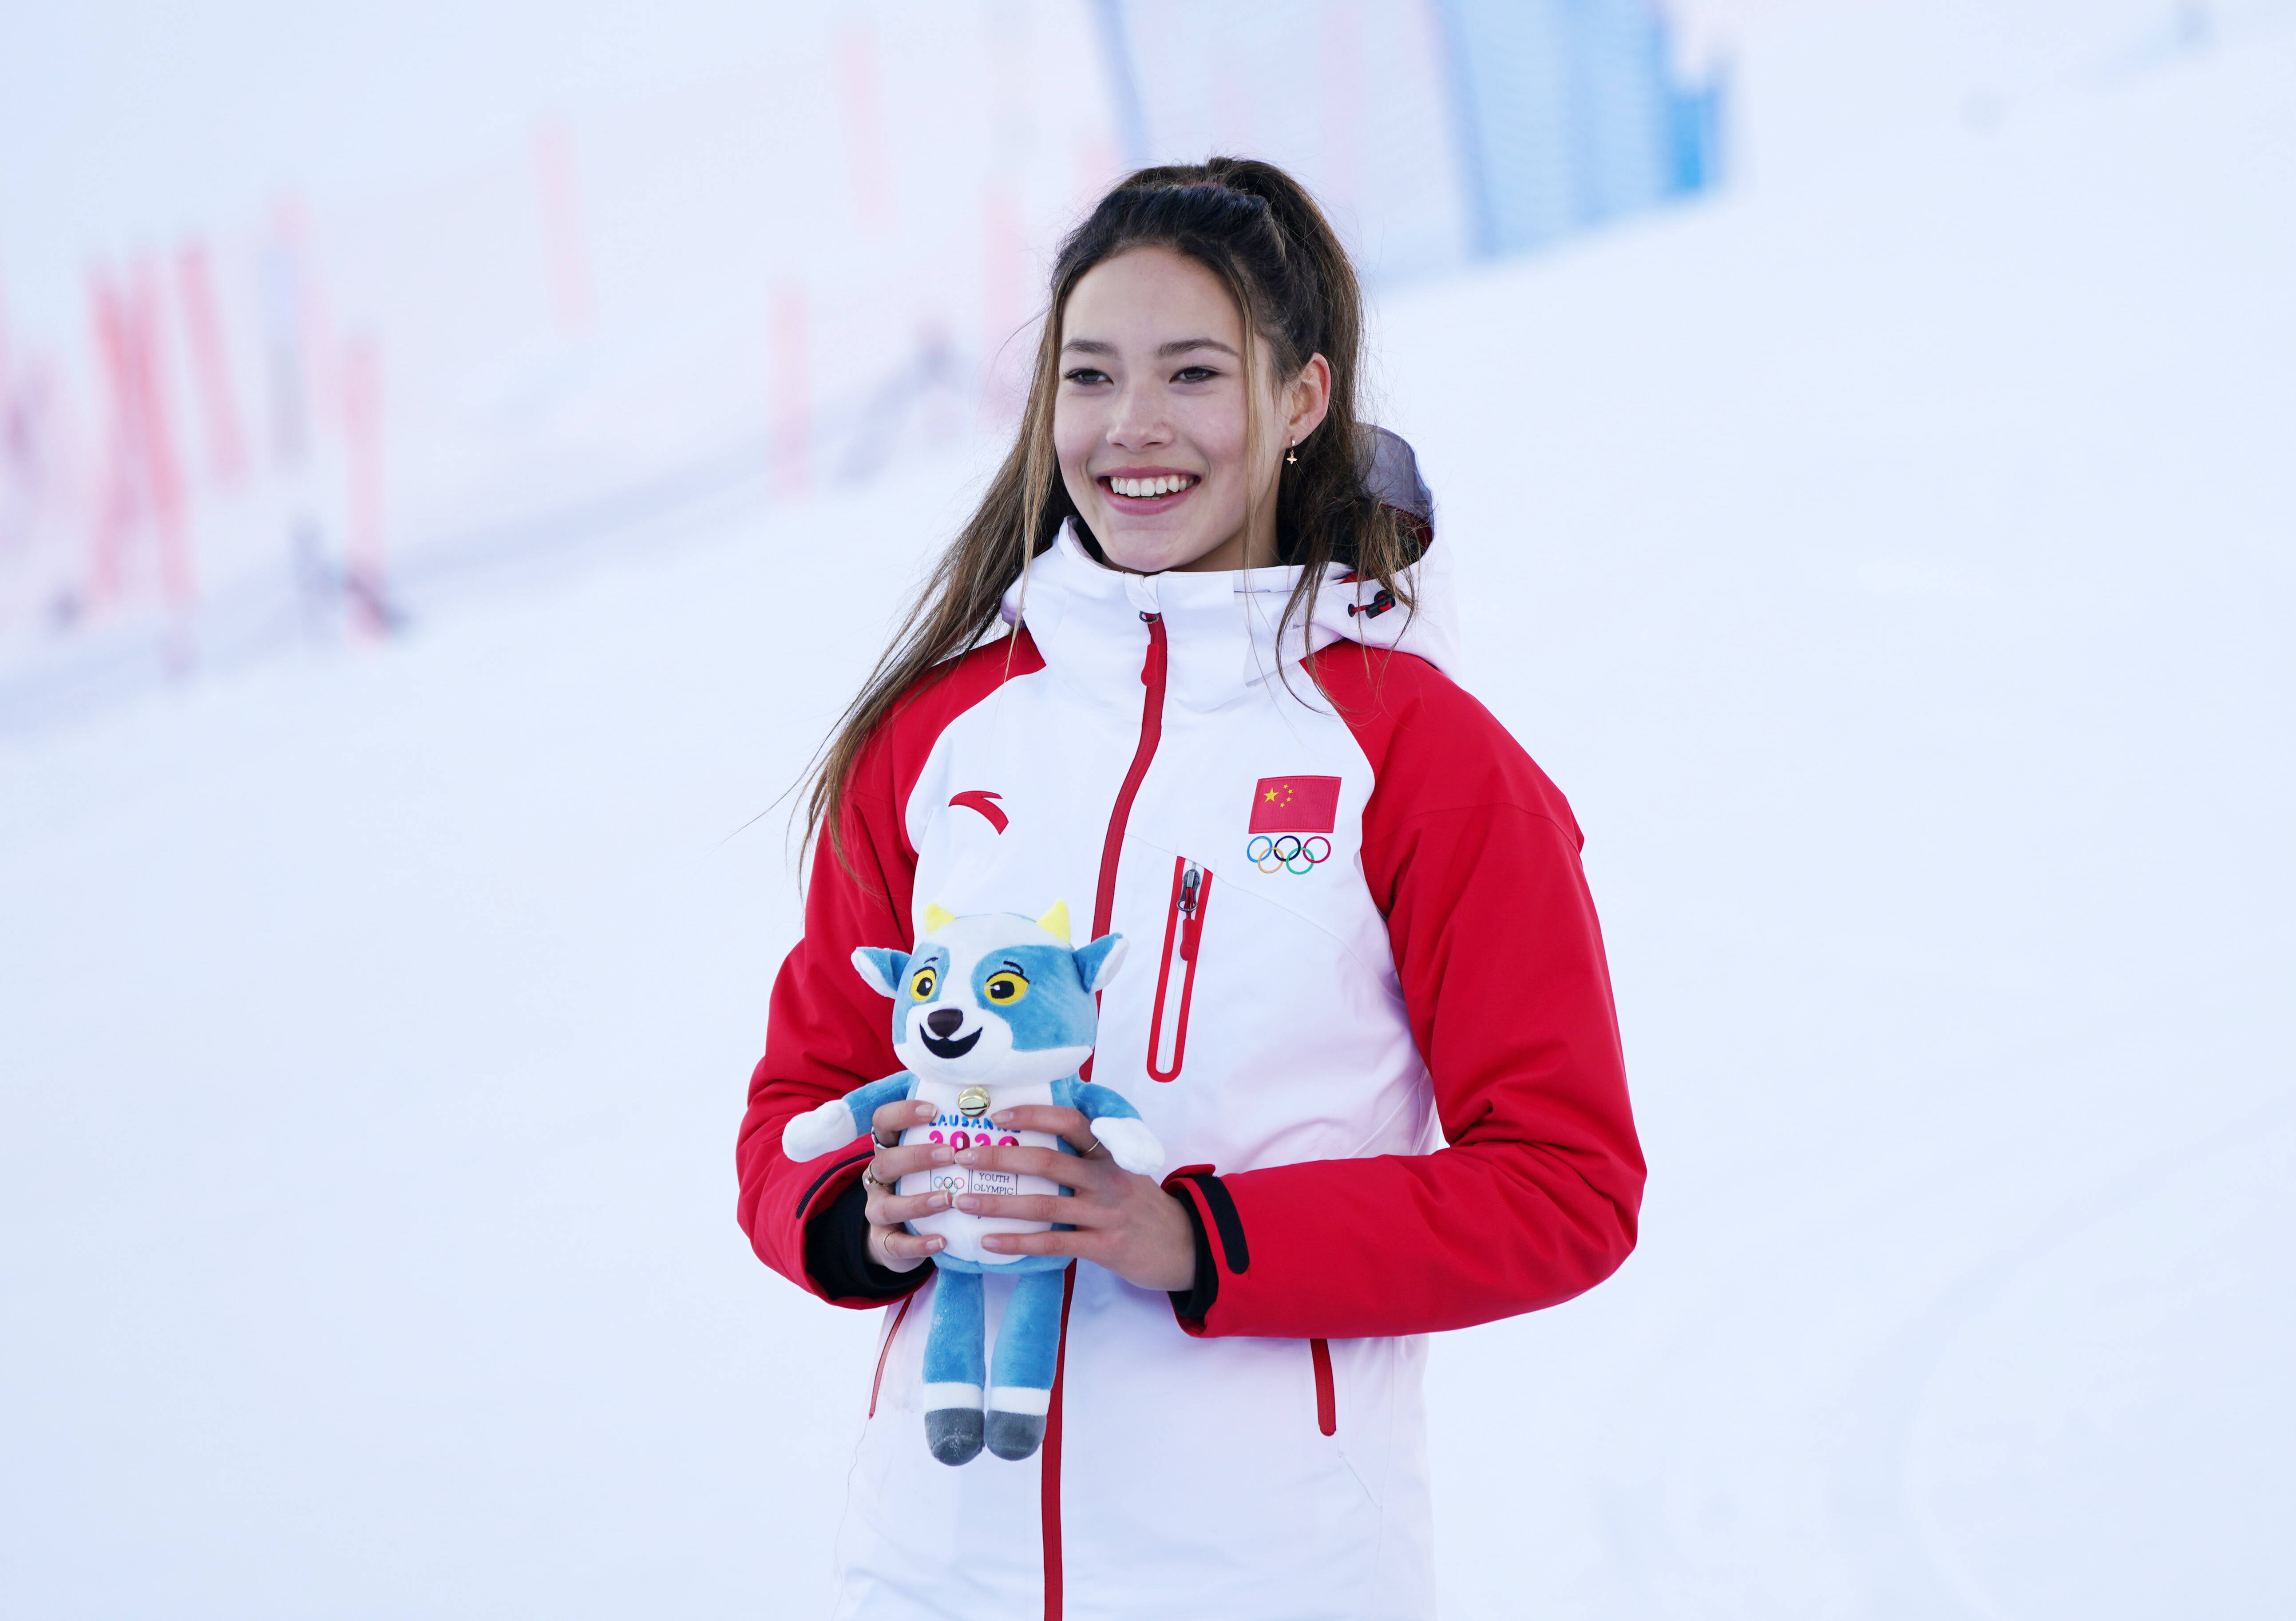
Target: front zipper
point(1103, 908)
point(1152, 733)
point(1184, 933)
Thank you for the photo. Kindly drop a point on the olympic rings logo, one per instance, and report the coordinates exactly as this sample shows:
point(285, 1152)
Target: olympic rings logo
point(1290, 853)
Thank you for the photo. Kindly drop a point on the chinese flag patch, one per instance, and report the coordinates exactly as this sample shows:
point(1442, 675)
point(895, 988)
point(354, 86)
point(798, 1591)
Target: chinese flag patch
point(1295, 805)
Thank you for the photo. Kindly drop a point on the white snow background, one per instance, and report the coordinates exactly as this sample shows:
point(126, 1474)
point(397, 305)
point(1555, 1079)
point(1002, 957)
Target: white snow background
point(1895, 567)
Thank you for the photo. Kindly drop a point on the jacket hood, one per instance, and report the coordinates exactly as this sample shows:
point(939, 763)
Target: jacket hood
point(1221, 626)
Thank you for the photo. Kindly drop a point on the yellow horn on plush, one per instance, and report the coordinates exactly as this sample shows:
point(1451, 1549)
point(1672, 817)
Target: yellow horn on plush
point(935, 916)
point(1056, 920)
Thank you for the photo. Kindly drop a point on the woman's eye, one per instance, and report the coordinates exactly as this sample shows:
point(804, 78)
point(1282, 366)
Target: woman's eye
point(1006, 987)
point(1086, 374)
point(1194, 374)
point(921, 987)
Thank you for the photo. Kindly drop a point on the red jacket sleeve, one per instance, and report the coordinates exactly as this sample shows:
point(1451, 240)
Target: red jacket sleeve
point(826, 1031)
point(1472, 855)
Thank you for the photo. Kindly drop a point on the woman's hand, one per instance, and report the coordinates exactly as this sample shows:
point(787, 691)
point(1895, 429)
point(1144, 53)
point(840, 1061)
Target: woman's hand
point(892, 1245)
point(1124, 1222)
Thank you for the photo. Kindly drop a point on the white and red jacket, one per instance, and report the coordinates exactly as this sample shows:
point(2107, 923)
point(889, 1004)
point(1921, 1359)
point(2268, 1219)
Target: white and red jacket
point(1386, 1064)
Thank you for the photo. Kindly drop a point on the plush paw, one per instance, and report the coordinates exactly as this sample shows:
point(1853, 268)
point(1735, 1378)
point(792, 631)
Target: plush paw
point(815, 1132)
point(954, 1434)
point(1014, 1434)
point(1130, 1143)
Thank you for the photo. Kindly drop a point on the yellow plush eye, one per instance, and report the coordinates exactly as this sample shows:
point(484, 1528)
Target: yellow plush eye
point(920, 986)
point(1006, 989)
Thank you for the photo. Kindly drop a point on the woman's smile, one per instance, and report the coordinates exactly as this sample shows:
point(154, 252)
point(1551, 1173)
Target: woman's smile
point(1144, 491)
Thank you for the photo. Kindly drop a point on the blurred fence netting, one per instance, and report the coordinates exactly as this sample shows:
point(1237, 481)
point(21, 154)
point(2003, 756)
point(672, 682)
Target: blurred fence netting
point(312, 424)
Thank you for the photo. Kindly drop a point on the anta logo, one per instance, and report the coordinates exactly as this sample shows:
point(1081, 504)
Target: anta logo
point(985, 802)
point(1290, 819)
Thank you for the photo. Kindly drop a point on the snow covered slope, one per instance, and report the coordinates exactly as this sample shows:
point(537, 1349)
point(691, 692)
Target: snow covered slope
point(1896, 572)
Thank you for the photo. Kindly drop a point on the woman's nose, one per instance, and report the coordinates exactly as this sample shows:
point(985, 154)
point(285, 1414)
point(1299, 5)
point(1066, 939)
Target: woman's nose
point(1138, 421)
point(943, 1021)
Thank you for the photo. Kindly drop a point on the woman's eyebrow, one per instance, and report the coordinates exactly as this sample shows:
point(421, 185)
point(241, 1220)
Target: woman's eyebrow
point(1178, 345)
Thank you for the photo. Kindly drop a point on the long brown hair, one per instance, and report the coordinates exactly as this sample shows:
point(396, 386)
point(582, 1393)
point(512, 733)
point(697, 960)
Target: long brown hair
point(1259, 230)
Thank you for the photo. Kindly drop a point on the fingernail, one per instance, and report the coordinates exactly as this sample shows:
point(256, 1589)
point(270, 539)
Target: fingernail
point(1005, 1119)
point(932, 1243)
point(942, 1154)
point(924, 1112)
point(940, 1201)
point(967, 1203)
point(967, 1156)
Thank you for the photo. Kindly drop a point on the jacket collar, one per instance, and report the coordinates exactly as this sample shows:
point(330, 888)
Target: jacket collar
point(1220, 641)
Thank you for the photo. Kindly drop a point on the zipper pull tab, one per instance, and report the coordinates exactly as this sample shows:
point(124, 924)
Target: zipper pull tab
point(1190, 882)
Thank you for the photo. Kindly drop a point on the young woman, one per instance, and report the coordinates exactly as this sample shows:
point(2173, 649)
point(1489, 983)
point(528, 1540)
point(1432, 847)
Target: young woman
point(1366, 1008)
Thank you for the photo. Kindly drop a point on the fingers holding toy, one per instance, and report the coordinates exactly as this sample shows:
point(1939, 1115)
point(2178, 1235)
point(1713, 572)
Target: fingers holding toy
point(890, 1208)
point(890, 1243)
point(1070, 1170)
point(1069, 1125)
point(892, 1163)
point(897, 1249)
point(891, 1119)
point(1124, 1222)
point(1125, 1139)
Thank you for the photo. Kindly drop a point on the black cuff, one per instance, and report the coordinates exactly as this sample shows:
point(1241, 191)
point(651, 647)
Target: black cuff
point(1190, 1304)
point(837, 1253)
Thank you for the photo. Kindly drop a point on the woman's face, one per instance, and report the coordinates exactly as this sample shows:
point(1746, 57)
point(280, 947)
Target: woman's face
point(1149, 419)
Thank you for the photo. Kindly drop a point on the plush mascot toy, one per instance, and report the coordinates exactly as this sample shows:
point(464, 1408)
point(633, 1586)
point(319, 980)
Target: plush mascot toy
point(989, 1011)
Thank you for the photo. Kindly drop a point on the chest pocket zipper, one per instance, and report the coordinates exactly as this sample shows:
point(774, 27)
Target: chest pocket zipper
point(1184, 934)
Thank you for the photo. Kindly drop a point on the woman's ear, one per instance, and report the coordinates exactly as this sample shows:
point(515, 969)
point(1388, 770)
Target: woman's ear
point(1308, 399)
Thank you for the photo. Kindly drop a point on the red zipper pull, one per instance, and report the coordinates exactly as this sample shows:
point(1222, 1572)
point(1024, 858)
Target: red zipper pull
point(1192, 929)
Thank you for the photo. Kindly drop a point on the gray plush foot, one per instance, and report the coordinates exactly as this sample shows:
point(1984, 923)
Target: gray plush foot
point(1014, 1434)
point(953, 1433)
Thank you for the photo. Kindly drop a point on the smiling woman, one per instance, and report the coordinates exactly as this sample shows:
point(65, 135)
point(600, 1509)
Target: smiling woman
point(1369, 1007)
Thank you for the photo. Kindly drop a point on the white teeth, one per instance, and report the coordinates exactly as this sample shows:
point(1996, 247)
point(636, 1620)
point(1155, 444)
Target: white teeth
point(1140, 489)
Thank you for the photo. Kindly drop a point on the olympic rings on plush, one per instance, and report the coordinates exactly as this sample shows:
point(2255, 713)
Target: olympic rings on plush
point(1287, 853)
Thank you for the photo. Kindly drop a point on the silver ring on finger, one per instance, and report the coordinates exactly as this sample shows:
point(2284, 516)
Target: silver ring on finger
point(1089, 1152)
point(869, 1176)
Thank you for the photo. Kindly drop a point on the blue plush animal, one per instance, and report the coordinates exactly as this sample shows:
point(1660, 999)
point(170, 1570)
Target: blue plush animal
point(989, 1010)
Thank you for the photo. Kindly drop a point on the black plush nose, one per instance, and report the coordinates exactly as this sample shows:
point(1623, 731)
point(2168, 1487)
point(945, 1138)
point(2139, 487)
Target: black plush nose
point(943, 1022)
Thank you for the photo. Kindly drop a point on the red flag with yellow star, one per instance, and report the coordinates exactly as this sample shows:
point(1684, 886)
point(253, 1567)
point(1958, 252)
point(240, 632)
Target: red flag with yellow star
point(1295, 805)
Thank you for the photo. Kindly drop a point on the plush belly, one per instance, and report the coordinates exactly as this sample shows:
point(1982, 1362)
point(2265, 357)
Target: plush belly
point(949, 1125)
